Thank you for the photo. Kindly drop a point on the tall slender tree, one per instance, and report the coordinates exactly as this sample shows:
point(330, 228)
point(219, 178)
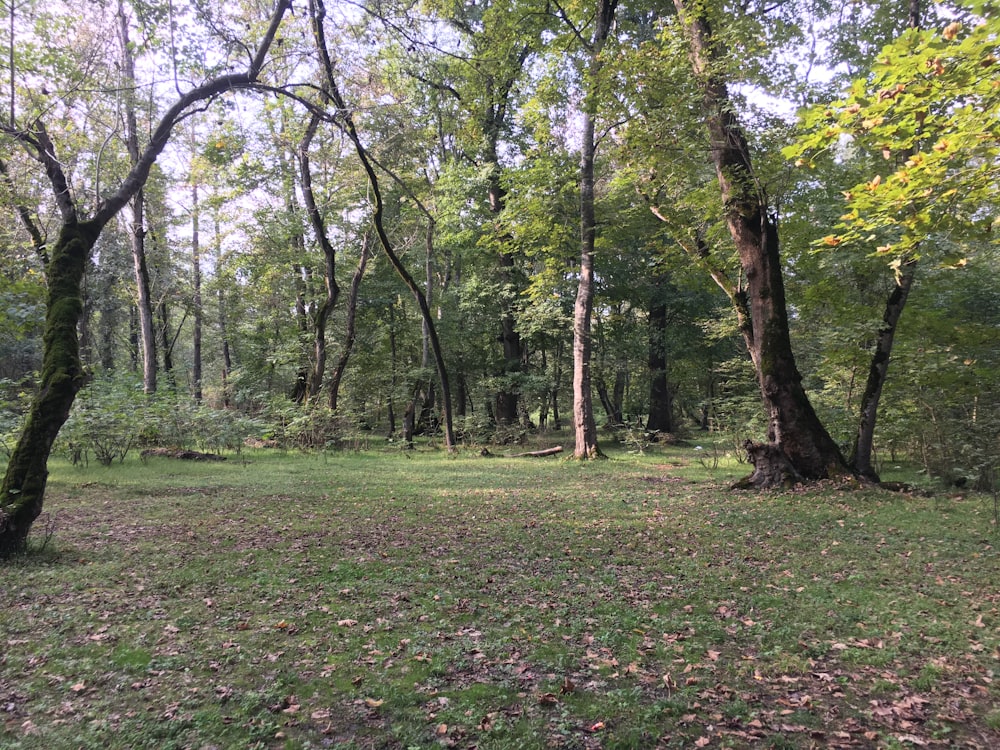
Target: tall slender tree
point(584, 424)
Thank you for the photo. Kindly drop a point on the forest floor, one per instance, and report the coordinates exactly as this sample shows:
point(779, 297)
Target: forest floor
point(390, 600)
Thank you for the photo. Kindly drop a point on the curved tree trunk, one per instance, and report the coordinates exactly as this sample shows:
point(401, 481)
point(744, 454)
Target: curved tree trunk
point(23, 488)
point(794, 427)
point(878, 370)
point(351, 327)
point(317, 11)
point(332, 290)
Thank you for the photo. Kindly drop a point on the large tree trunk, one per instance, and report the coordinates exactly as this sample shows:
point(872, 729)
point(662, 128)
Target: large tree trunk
point(23, 488)
point(794, 427)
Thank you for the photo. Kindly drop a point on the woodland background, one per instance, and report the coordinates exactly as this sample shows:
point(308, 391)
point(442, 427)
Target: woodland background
point(264, 281)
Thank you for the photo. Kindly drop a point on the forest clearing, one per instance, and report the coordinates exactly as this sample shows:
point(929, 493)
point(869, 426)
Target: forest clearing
point(418, 600)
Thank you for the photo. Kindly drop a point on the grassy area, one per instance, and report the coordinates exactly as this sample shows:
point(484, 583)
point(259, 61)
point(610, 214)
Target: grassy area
point(419, 601)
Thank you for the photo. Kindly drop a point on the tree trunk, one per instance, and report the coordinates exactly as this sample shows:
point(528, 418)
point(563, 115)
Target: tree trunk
point(332, 290)
point(794, 427)
point(864, 440)
point(196, 376)
point(144, 304)
point(137, 232)
point(878, 371)
point(23, 488)
point(353, 295)
point(661, 400)
point(583, 405)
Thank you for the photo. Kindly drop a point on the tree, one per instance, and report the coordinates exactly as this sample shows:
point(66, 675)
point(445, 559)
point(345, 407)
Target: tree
point(331, 95)
point(584, 425)
point(798, 443)
point(137, 228)
point(929, 108)
point(23, 489)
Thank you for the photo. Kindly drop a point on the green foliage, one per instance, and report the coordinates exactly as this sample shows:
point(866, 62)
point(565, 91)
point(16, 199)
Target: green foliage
point(112, 416)
point(931, 108)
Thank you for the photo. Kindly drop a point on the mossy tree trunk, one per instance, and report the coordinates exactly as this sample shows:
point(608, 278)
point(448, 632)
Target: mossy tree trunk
point(23, 488)
point(22, 491)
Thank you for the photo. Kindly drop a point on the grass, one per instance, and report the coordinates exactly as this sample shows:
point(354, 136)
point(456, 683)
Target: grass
point(370, 600)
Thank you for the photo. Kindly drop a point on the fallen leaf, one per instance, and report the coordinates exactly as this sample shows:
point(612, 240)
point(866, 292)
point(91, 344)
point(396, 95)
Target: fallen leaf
point(373, 702)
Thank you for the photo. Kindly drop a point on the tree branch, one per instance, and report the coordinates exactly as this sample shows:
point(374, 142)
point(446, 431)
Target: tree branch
point(137, 177)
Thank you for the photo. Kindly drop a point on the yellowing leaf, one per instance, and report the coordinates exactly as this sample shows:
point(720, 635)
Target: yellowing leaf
point(951, 30)
point(831, 240)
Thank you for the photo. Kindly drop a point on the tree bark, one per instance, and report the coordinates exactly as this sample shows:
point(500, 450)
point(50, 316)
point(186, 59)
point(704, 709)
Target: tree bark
point(22, 491)
point(196, 376)
point(794, 427)
point(864, 440)
point(318, 14)
point(661, 400)
point(137, 231)
point(878, 371)
point(584, 424)
point(332, 290)
point(353, 295)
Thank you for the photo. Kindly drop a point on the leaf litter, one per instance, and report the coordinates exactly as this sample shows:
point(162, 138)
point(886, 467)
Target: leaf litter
point(551, 616)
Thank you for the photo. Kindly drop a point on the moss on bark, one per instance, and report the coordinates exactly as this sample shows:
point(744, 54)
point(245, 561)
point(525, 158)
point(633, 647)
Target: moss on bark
point(23, 490)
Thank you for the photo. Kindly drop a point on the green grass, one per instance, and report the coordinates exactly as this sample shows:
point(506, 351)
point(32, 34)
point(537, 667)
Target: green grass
point(369, 600)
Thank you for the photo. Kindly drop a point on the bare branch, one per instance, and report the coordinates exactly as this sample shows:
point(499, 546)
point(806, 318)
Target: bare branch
point(181, 110)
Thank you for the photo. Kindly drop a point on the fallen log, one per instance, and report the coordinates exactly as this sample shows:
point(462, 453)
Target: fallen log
point(182, 454)
point(539, 454)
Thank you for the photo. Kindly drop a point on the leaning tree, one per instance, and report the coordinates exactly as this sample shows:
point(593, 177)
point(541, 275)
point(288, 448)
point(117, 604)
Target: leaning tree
point(62, 375)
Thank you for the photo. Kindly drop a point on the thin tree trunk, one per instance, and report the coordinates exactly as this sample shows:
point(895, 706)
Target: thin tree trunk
point(583, 404)
point(318, 14)
point(350, 336)
point(661, 407)
point(878, 370)
point(137, 232)
point(332, 290)
point(794, 429)
point(196, 281)
point(864, 440)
